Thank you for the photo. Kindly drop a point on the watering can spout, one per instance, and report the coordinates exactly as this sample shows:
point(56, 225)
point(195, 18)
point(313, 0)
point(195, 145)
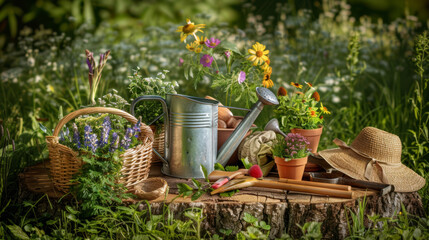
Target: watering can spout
point(266, 97)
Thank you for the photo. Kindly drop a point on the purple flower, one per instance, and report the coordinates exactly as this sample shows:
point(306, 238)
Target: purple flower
point(89, 66)
point(87, 136)
point(227, 54)
point(241, 77)
point(136, 129)
point(206, 60)
point(76, 139)
point(93, 142)
point(115, 142)
point(212, 42)
point(105, 131)
point(181, 61)
point(125, 143)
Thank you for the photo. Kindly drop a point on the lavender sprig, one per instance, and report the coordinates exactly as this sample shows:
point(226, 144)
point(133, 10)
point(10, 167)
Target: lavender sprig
point(105, 131)
point(115, 142)
point(125, 143)
point(93, 142)
point(76, 139)
point(87, 136)
point(136, 129)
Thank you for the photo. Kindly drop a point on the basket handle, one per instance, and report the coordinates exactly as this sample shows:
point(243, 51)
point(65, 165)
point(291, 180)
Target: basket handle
point(145, 129)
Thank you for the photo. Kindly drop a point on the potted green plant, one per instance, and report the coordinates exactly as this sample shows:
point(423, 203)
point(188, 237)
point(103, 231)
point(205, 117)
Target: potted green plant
point(291, 154)
point(301, 112)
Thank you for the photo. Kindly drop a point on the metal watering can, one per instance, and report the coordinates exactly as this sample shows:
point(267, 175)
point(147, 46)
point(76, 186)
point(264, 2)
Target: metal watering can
point(191, 132)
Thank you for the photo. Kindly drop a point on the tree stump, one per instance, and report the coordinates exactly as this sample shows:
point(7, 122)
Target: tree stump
point(283, 210)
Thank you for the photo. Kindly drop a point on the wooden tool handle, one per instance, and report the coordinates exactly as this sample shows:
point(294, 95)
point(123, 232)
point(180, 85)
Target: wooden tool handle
point(303, 188)
point(317, 184)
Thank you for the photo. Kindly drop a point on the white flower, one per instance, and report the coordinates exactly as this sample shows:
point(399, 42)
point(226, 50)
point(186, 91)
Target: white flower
point(335, 99)
point(31, 61)
point(38, 79)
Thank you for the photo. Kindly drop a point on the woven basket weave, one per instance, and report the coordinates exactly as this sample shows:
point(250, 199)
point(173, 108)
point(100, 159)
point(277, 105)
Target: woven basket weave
point(65, 162)
point(158, 144)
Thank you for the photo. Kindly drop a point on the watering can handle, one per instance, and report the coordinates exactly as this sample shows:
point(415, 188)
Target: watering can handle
point(166, 122)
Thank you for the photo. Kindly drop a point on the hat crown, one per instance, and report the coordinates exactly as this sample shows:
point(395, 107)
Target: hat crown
point(379, 145)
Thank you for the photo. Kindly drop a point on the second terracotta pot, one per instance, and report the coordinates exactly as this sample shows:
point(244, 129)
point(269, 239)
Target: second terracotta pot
point(293, 169)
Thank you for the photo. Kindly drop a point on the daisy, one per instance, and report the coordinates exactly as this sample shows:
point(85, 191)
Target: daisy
point(324, 109)
point(297, 85)
point(206, 60)
point(258, 54)
point(193, 46)
point(189, 29)
point(212, 42)
point(267, 82)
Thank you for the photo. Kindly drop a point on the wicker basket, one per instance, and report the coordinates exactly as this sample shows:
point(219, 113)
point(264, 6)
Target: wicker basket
point(158, 143)
point(65, 162)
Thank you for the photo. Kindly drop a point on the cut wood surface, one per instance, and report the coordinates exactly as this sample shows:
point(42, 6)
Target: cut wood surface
point(283, 210)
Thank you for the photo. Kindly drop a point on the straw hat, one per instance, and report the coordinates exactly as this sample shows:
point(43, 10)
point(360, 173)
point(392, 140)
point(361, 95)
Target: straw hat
point(374, 155)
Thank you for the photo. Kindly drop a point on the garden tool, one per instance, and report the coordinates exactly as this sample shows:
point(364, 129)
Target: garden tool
point(338, 178)
point(218, 175)
point(255, 171)
point(191, 132)
point(253, 182)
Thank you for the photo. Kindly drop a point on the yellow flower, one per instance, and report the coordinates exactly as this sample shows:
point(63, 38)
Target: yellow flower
point(309, 84)
point(202, 40)
point(267, 82)
point(189, 29)
point(266, 65)
point(258, 54)
point(50, 88)
point(297, 85)
point(198, 49)
point(324, 109)
point(193, 46)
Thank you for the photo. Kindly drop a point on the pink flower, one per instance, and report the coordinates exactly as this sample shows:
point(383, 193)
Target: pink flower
point(206, 60)
point(241, 77)
point(181, 62)
point(212, 42)
point(227, 54)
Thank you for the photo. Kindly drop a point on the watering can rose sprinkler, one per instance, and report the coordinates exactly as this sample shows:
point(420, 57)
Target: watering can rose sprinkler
point(191, 132)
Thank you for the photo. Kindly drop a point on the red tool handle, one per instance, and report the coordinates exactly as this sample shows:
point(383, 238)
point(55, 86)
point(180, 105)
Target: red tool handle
point(219, 183)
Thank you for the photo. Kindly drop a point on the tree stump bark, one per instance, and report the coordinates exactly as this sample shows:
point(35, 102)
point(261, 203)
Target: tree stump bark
point(284, 210)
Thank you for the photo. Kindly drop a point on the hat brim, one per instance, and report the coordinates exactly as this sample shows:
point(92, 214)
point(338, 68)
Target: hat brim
point(353, 165)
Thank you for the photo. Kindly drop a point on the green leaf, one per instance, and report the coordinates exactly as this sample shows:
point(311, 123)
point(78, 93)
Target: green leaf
point(219, 167)
point(230, 46)
point(229, 193)
point(184, 189)
point(246, 163)
point(17, 232)
point(71, 210)
point(231, 168)
point(45, 130)
point(197, 195)
point(196, 183)
point(206, 175)
point(264, 225)
point(225, 231)
point(249, 218)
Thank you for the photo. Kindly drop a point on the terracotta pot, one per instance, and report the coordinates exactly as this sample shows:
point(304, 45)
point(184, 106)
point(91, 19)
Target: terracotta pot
point(223, 134)
point(293, 169)
point(313, 136)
